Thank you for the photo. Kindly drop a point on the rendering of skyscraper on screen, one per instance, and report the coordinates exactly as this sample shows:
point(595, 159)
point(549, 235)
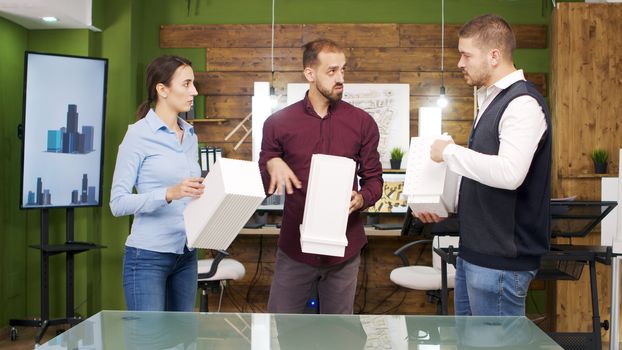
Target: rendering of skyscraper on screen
point(41, 196)
point(86, 195)
point(67, 139)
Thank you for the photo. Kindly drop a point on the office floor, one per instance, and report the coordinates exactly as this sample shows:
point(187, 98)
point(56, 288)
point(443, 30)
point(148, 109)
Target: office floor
point(25, 339)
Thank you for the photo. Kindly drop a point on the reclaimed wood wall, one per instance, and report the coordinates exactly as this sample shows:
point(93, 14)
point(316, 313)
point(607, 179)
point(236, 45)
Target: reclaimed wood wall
point(238, 55)
point(586, 102)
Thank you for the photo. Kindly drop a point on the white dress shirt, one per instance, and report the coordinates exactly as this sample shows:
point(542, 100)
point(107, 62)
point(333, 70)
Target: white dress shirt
point(520, 129)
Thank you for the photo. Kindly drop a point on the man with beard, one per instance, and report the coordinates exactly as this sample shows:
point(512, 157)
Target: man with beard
point(504, 196)
point(320, 123)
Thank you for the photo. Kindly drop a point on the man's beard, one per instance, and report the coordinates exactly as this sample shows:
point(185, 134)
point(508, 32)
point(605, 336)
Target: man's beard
point(330, 96)
point(478, 80)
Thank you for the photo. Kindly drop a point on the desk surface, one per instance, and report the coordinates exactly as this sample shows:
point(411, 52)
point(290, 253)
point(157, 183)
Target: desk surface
point(273, 230)
point(178, 330)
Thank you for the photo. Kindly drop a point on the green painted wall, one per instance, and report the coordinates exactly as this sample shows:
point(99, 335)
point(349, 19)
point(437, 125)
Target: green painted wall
point(120, 42)
point(130, 40)
point(13, 242)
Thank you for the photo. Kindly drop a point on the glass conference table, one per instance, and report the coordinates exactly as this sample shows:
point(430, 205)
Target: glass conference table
point(179, 330)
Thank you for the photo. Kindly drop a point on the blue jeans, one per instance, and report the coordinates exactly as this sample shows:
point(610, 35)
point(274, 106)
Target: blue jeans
point(154, 281)
point(483, 291)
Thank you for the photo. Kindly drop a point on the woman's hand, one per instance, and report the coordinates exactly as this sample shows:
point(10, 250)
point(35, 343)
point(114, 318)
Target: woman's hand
point(190, 187)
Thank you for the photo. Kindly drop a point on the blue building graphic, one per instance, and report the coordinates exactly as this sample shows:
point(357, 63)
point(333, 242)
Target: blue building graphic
point(41, 197)
point(84, 196)
point(67, 139)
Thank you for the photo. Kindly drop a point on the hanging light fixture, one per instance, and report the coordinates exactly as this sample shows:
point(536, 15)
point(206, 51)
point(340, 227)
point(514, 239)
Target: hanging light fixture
point(442, 99)
point(274, 100)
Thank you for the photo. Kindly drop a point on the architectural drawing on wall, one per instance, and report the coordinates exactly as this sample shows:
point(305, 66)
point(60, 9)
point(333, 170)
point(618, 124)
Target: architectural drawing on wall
point(392, 200)
point(388, 104)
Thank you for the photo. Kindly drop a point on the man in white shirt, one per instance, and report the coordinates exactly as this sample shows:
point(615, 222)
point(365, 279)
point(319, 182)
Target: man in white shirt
point(504, 196)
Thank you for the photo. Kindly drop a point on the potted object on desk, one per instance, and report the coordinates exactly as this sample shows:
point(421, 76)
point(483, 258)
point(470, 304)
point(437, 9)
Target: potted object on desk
point(599, 156)
point(396, 158)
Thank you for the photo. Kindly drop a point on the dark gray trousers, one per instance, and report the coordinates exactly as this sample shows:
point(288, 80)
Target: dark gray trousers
point(293, 282)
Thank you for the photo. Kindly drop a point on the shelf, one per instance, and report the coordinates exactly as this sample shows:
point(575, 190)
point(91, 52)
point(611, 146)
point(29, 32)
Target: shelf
point(75, 247)
point(208, 120)
point(585, 176)
point(394, 171)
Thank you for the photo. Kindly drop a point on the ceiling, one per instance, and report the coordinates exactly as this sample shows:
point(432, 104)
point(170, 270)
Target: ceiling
point(71, 14)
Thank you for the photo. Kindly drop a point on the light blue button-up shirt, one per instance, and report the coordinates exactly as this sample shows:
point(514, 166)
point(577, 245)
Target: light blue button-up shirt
point(151, 159)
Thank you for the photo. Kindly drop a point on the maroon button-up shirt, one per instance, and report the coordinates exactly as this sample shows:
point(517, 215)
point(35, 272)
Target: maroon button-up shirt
point(294, 134)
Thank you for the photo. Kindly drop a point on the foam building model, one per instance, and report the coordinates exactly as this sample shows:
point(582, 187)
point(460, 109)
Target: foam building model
point(323, 229)
point(429, 186)
point(233, 191)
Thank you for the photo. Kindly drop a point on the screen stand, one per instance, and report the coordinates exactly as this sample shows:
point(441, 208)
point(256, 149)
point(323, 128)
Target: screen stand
point(71, 248)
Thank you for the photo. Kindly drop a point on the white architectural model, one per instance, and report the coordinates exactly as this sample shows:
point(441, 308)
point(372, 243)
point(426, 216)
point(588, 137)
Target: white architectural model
point(323, 229)
point(430, 186)
point(233, 191)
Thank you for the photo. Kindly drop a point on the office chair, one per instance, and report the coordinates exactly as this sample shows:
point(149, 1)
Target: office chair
point(427, 278)
point(214, 273)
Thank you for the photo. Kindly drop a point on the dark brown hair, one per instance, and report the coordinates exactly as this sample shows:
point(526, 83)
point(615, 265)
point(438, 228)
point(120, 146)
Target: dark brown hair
point(490, 31)
point(160, 70)
point(313, 48)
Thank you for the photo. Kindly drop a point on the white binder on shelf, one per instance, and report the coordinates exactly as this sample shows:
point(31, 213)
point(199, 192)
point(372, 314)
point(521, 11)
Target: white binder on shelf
point(233, 191)
point(323, 229)
point(429, 186)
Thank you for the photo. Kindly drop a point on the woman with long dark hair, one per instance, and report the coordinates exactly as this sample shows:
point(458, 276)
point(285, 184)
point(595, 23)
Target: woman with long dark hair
point(158, 158)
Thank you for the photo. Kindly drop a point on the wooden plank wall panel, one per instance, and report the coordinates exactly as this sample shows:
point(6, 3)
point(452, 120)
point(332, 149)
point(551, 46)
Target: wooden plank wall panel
point(428, 84)
point(229, 35)
point(354, 34)
point(239, 55)
point(459, 108)
point(228, 83)
point(254, 59)
point(586, 102)
point(227, 106)
point(429, 35)
point(588, 89)
point(401, 59)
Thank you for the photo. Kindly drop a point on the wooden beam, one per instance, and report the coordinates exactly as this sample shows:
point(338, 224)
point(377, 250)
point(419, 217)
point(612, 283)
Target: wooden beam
point(254, 59)
point(229, 83)
point(528, 36)
point(401, 59)
point(354, 34)
point(229, 35)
